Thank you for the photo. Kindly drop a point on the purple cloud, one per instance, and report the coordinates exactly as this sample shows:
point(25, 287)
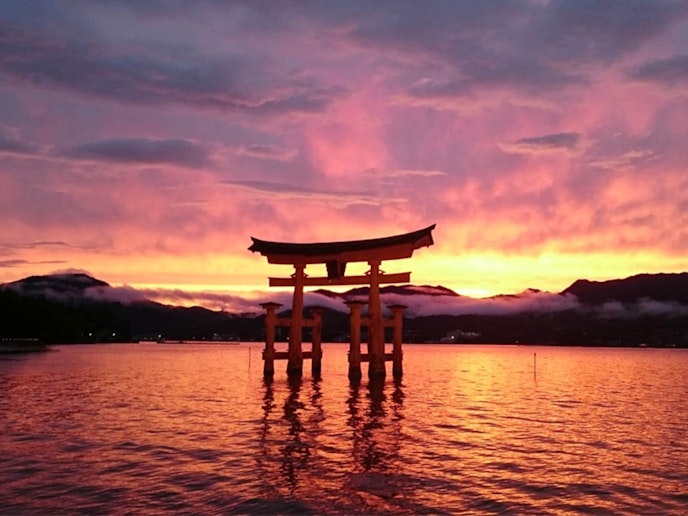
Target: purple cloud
point(268, 152)
point(145, 151)
point(671, 71)
point(510, 44)
point(13, 263)
point(598, 31)
point(291, 191)
point(36, 245)
point(16, 146)
point(546, 143)
point(93, 69)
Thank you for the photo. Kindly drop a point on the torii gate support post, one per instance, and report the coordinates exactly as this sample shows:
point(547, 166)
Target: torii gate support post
point(355, 339)
point(269, 352)
point(316, 352)
point(397, 353)
point(295, 360)
point(376, 330)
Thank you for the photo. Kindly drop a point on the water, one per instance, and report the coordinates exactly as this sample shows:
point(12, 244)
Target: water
point(153, 429)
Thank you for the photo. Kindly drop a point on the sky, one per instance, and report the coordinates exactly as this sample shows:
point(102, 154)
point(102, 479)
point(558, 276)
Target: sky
point(146, 142)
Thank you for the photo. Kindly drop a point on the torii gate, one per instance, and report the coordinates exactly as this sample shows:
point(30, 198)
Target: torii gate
point(335, 255)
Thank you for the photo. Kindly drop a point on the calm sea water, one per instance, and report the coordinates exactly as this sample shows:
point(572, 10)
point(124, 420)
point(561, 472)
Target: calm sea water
point(184, 428)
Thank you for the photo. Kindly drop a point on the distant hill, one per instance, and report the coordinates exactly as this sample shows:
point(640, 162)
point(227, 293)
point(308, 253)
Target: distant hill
point(647, 308)
point(658, 287)
point(62, 308)
point(70, 286)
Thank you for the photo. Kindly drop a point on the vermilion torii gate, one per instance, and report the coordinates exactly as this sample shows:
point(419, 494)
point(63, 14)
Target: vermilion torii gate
point(335, 256)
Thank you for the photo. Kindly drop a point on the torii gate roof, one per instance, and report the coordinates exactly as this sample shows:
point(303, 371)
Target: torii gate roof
point(386, 248)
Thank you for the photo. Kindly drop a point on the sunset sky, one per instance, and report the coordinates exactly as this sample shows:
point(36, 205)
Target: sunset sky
point(146, 142)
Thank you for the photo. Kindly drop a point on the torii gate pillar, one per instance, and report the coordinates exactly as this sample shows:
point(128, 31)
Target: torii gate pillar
point(295, 360)
point(269, 353)
point(355, 339)
point(376, 330)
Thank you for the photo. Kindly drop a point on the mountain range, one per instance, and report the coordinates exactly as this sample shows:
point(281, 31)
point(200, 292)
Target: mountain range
point(648, 309)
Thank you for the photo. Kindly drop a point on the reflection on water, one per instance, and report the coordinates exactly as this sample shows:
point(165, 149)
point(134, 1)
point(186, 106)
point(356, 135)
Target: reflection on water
point(375, 427)
point(375, 436)
point(298, 432)
point(295, 452)
point(156, 429)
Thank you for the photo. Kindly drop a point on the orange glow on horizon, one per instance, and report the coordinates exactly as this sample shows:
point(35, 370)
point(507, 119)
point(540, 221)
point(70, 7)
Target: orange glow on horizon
point(471, 274)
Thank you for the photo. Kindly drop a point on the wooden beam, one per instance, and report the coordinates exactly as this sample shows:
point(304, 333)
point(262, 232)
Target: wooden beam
point(396, 252)
point(397, 277)
point(387, 248)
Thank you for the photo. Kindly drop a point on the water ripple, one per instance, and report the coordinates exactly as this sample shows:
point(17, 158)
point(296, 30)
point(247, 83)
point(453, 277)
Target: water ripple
point(193, 430)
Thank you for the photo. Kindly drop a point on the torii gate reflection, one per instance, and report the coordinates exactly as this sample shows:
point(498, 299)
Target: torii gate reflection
point(335, 256)
point(294, 437)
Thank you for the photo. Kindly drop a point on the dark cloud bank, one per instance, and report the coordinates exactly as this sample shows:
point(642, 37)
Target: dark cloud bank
point(144, 151)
